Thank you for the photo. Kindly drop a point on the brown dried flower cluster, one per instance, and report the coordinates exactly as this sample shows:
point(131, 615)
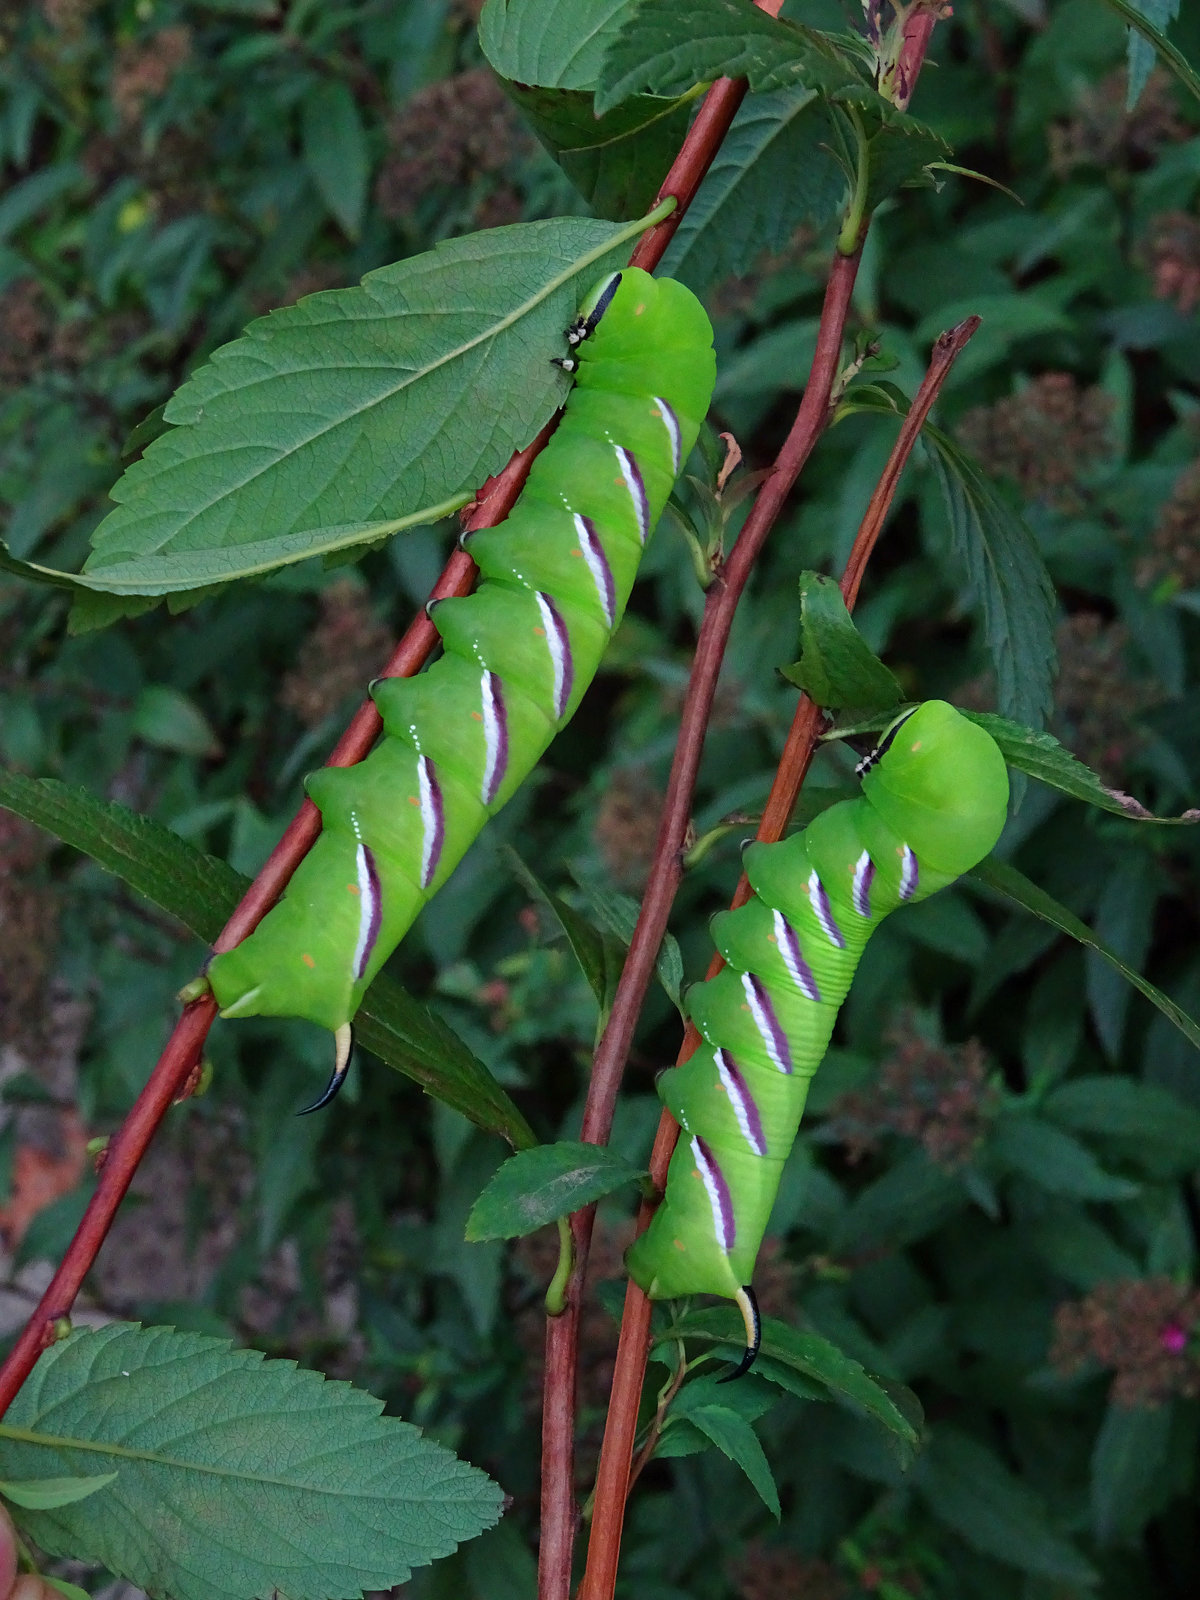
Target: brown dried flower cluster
point(942, 1096)
point(627, 827)
point(67, 17)
point(1098, 702)
point(1145, 1330)
point(1173, 247)
point(144, 69)
point(448, 134)
point(775, 1573)
point(1102, 133)
point(1174, 554)
point(25, 331)
point(1044, 439)
point(33, 340)
point(346, 648)
point(28, 917)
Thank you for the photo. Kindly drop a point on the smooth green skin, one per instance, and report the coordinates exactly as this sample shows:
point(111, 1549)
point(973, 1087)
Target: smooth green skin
point(942, 789)
point(654, 340)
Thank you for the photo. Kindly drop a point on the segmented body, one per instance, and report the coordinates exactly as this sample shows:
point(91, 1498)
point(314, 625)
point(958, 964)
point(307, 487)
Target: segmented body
point(518, 655)
point(933, 805)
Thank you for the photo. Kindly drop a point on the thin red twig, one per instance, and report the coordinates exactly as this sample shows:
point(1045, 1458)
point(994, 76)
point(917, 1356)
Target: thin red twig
point(615, 1472)
point(811, 418)
point(559, 1515)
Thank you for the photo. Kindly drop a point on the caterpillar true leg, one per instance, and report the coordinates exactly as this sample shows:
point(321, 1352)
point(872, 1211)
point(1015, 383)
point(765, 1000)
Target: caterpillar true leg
point(517, 657)
point(933, 803)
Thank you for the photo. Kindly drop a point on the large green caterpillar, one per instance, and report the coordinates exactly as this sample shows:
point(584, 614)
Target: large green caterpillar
point(517, 657)
point(934, 798)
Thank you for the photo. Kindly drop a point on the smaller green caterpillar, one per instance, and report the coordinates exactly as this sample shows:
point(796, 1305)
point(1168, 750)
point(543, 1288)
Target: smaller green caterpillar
point(934, 800)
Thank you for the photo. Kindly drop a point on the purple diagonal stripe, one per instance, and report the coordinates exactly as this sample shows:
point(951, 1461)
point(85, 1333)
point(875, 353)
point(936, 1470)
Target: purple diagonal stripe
point(671, 424)
point(433, 819)
point(634, 482)
point(370, 907)
point(593, 554)
point(495, 734)
point(744, 1106)
point(775, 1041)
point(824, 911)
point(559, 645)
point(910, 875)
point(864, 877)
point(719, 1197)
point(799, 970)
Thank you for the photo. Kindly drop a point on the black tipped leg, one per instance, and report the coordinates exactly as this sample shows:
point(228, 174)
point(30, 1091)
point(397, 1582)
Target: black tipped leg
point(344, 1042)
point(747, 1304)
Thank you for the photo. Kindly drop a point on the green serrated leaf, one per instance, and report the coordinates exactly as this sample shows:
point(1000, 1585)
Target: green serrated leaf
point(1043, 757)
point(558, 44)
point(538, 1186)
point(300, 437)
point(805, 1352)
point(619, 914)
point(615, 161)
point(45, 1494)
point(664, 50)
point(600, 957)
point(837, 669)
point(548, 57)
point(899, 150)
point(773, 172)
point(738, 1442)
point(234, 1475)
point(1007, 576)
point(406, 1035)
point(1015, 887)
point(201, 892)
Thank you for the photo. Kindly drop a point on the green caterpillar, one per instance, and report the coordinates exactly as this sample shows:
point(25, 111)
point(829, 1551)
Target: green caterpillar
point(517, 656)
point(934, 799)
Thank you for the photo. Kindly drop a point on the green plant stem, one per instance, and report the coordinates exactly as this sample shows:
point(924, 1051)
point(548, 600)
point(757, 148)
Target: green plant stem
point(556, 1294)
point(854, 226)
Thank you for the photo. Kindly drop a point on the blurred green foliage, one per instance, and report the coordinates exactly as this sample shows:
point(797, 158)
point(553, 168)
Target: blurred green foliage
point(995, 1200)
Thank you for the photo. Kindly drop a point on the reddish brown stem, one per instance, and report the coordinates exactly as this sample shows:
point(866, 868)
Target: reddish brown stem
point(559, 1517)
point(124, 1152)
point(945, 353)
point(170, 1075)
point(615, 1473)
point(811, 418)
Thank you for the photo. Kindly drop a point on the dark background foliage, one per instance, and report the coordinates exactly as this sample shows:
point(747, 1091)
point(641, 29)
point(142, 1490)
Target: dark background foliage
point(995, 1200)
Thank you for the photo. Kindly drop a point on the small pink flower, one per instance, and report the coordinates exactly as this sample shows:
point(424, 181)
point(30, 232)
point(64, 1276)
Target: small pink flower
point(1173, 1338)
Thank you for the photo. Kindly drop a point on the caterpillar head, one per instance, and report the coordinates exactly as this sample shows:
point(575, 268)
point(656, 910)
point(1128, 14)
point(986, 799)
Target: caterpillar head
point(941, 785)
